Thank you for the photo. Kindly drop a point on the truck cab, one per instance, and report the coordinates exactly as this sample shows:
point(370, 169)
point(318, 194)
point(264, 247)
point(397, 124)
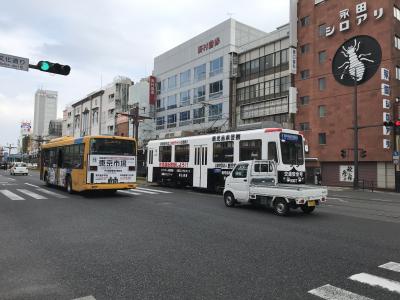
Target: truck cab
point(256, 182)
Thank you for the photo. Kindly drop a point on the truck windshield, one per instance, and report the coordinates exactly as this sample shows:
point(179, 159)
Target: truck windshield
point(112, 147)
point(292, 149)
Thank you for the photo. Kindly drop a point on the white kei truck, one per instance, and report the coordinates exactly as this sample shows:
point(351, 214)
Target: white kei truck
point(255, 182)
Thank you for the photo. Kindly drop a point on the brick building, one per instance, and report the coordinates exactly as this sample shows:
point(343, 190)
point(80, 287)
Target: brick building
point(335, 39)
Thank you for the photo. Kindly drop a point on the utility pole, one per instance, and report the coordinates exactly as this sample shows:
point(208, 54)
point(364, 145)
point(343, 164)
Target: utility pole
point(355, 127)
point(10, 147)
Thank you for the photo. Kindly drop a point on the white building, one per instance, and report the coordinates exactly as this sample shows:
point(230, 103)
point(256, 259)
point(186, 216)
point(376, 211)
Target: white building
point(195, 78)
point(95, 114)
point(45, 110)
point(139, 96)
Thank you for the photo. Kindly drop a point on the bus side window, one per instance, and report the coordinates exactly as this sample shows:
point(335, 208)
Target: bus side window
point(67, 157)
point(60, 157)
point(272, 153)
point(77, 157)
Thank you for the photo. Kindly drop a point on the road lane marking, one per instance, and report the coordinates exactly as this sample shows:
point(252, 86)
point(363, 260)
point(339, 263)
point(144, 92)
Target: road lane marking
point(32, 185)
point(86, 298)
point(129, 192)
point(392, 266)
point(50, 193)
point(391, 285)
point(153, 190)
point(11, 195)
point(331, 292)
point(31, 194)
point(340, 199)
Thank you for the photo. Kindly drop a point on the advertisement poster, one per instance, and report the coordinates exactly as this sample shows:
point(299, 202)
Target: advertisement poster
point(111, 169)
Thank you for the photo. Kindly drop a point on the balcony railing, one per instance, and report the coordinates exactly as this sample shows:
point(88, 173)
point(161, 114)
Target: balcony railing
point(160, 127)
point(171, 125)
point(185, 123)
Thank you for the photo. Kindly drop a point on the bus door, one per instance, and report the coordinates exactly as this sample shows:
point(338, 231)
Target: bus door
point(200, 166)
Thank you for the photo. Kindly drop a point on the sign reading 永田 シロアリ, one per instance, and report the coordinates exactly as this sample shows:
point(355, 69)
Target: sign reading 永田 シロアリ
point(357, 59)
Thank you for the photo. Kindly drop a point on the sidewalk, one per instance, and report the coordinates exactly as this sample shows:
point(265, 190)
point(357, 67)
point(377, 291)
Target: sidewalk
point(345, 192)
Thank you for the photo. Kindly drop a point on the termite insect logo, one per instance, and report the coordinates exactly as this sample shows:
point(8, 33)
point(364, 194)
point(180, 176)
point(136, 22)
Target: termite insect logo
point(357, 59)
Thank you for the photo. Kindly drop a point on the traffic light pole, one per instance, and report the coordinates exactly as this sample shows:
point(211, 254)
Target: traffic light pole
point(355, 127)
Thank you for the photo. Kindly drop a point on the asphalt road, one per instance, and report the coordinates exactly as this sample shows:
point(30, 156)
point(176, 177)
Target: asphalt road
point(164, 243)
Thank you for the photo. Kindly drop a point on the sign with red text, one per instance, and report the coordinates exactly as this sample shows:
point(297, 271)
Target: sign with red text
point(152, 90)
point(208, 46)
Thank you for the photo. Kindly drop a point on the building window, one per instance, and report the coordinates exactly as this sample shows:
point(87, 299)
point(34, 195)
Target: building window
point(304, 100)
point(397, 42)
point(305, 74)
point(216, 89)
point(199, 94)
point(171, 121)
point(160, 121)
point(305, 21)
point(322, 30)
point(160, 104)
point(185, 98)
point(110, 113)
point(185, 78)
point(172, 82)
point(215, 112)
point(110, 129)
point(322, 111)
point(322, 84)
point(305, 48)
point(216, 66)
point(396, 12)
point(184, 118)
point(255, 66)
point(269, 61)
point(284, 56)
point(304, 126)
point(200, 72)
point(285, 84)
point(171, 102)
point(322, 57)
point(198, 115)
point(397, 72)
point(95, 116)
point(322, 138)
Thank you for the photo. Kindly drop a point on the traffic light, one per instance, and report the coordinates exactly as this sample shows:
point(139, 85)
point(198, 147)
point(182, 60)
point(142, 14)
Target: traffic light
point(343, 153)
point(395, 125)
point(363, 153)
point(388, 124)
point(50, 67)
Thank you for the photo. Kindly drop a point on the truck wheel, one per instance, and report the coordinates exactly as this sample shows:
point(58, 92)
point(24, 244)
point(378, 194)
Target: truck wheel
point(307, 209)
point(229, 199)
point(281, 207)
point(69, 185)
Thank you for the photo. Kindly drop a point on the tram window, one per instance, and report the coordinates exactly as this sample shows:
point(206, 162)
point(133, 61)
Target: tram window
point(150, 157)
point(263, 168)
point(165, 154)
point(182, 153)
point(223, 152)
point(272, 153)
point(250, 149)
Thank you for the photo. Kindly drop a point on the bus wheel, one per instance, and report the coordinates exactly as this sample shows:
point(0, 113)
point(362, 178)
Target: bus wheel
point(69, 185)
point(281, 207)
point(229, 199)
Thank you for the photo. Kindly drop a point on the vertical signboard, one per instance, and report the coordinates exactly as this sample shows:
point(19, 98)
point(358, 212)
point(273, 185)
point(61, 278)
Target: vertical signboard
point(152, 90)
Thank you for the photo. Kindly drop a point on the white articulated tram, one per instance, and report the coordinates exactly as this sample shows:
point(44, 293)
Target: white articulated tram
point(205, 161)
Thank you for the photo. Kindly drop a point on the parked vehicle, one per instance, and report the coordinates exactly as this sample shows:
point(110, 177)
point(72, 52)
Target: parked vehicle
point(19, 168)
point(256, 182)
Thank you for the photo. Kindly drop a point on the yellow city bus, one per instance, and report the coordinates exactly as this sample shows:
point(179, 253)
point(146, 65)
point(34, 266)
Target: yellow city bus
point(89, 163)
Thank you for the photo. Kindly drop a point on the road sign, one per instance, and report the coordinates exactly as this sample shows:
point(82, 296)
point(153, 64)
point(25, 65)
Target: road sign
point(14, 62)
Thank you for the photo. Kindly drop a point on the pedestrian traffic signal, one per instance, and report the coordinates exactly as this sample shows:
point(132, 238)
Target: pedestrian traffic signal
point(56, 68)
point(363, 153)
point(343, 153)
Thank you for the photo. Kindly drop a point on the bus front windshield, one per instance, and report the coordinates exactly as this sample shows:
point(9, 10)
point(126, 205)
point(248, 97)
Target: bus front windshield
point(292, 149)
point(107, 146)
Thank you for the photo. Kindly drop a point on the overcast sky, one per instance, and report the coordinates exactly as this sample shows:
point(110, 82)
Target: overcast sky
point(102, 39)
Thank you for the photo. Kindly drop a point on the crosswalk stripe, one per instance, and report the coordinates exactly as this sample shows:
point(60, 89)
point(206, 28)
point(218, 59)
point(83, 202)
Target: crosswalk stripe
point(11, 195)
point(392, 266)
point(50, 193)
point(152, 190)
point(31, 194)
point(86, 298)
point(391, 285)
point(30, 184)
point(331, 292)
point(334, 293)
point(130, 192)
point(146, 192)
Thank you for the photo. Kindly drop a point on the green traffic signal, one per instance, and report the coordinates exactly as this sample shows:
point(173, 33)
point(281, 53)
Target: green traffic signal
point(44, 66)
point(55, 68)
